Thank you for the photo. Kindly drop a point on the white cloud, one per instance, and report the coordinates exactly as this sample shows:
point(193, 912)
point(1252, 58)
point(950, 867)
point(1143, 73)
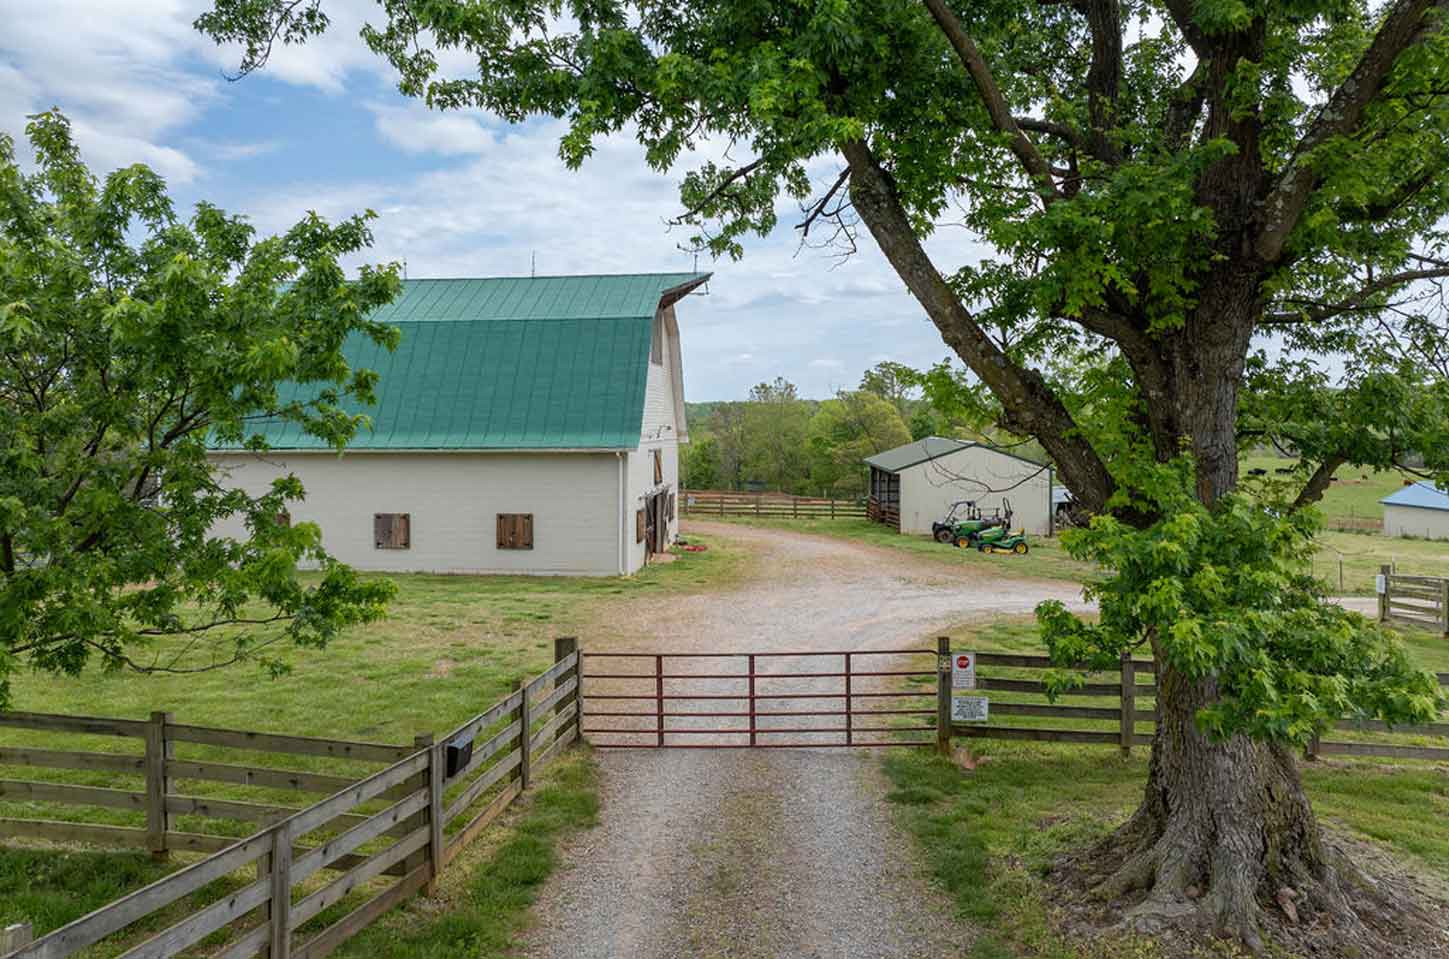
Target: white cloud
point(413, 128)
point(114, 69)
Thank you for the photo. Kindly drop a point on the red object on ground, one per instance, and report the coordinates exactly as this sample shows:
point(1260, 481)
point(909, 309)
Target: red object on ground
point(691, 549)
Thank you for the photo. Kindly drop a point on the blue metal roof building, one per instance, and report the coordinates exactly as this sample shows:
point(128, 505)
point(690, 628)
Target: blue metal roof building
point(1420, 510)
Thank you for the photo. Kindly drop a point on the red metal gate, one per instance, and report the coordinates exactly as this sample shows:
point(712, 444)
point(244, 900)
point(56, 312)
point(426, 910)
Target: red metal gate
point(759, 700)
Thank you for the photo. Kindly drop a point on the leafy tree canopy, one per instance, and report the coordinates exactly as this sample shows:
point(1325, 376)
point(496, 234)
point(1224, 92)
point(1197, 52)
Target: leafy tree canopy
point(130, 339)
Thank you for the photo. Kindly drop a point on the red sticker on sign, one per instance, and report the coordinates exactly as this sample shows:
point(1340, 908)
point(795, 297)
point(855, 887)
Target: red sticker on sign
point(963, 662)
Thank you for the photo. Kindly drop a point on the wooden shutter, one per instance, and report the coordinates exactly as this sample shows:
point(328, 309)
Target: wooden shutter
point(515, 531)
point(392, 530)
point(658, 466)
point(639, 523)
point(672, 509)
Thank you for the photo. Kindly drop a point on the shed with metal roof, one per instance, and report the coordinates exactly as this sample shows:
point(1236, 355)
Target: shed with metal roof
point(1418, 509)
point(523, 425)
point(915, 485)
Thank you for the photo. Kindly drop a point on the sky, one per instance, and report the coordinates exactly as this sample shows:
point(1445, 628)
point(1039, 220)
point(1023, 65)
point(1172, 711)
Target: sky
point(458, 194)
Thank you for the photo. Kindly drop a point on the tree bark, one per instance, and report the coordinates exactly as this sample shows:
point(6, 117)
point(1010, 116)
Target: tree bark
point(1223, 829)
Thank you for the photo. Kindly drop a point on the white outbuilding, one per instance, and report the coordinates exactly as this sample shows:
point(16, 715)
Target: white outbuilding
point(523, 425)
point(915, 485)
point(1419, 509)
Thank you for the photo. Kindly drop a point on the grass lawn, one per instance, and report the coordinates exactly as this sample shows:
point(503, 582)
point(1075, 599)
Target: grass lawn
point(990, 836)
point(450, 648)
point(1355, 492)
point(1047, 559)
point(1361, 555)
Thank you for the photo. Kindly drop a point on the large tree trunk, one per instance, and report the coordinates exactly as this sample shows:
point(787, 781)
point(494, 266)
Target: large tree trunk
point(1224, 828)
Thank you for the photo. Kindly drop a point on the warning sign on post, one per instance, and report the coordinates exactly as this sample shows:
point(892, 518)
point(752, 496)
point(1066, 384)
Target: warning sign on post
point(963, 671)
point(970, 709)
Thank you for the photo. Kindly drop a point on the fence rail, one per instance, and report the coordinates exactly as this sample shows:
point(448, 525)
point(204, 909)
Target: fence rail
point(275, 891)
point(1421, 601)
point(1120, 722)
point(769, 505)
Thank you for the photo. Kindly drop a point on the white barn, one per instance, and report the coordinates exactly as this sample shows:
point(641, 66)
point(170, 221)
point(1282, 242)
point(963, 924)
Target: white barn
point(913, 486)
point(523, 425)
point(1419, 509)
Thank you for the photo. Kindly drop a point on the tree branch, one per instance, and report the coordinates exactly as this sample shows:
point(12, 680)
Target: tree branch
point(1031, 408)
point(1407, 24)
point(1319, 482)
point(1357, 300)
point(996, 106)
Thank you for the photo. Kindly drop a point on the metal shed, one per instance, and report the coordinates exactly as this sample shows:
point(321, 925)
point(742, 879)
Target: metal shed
point(1419, 509)
point(914, 485)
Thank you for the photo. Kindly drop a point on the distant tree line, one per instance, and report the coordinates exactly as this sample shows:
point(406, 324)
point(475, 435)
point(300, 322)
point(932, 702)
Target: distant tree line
point(776, 440)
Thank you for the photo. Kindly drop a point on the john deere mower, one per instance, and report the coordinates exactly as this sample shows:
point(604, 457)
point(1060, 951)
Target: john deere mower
point(998, 539)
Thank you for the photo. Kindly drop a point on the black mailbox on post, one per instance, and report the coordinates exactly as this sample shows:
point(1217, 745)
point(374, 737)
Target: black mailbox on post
point(459, 752)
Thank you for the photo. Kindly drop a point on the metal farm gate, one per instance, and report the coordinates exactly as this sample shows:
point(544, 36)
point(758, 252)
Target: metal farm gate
point(760, 700)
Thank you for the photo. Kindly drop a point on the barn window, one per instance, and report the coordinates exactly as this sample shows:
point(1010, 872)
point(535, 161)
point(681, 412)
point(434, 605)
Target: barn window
point(392, 530)
point(658, 466)
point(515, 531)
point(639, 524)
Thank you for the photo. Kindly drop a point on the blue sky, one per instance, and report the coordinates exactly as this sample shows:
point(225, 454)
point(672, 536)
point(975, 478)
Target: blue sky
point(458, 194)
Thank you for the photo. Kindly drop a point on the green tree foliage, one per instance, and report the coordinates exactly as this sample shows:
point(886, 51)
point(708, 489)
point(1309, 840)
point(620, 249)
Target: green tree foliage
point(130, 338)
point(699, 463)
point(843, 432)
point(774, 424)
point(894, 382)
point(1169, 188)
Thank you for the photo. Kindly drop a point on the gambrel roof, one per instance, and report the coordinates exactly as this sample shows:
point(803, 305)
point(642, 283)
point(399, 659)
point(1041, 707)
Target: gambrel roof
point(518, 363)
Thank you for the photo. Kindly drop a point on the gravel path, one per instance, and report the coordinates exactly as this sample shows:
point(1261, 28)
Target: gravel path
point(780, 853)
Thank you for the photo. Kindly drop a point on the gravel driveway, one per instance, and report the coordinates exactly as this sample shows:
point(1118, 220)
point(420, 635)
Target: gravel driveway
point(768, 853)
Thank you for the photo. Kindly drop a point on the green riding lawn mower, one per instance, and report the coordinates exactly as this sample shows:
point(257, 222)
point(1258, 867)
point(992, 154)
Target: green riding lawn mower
point(965, 526)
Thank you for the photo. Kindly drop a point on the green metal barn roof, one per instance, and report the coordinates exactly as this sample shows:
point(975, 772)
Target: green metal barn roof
point(556, 362)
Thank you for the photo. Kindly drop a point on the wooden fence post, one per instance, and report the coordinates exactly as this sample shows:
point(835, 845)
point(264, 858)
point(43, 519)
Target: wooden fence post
point(417, 819)
point(158, 751)
point(435, 847)
point(943, 695)
point(1444, 605)
point(1386, 572)
point(13, 937)
point(563, 646)
point(281, 938)
point(1310, 751)
point(525, 761)
point(1128, 721)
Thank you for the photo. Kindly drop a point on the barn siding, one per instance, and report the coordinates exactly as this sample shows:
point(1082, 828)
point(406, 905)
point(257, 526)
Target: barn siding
point(928, 489)
point(453, 501)
point(1416, 521)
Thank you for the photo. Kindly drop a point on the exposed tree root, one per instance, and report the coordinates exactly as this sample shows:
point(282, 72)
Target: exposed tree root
point(1160, 889)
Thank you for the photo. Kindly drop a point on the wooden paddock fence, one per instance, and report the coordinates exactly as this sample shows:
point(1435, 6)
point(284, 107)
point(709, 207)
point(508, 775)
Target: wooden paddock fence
point(705, 503)
point(1421, 601)
point(371, 843)
point(1124, 705)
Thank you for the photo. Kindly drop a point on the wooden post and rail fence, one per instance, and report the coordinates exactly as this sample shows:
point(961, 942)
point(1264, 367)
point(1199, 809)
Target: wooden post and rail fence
point(707, 503)
point(1421, 601)
point(370, 844)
